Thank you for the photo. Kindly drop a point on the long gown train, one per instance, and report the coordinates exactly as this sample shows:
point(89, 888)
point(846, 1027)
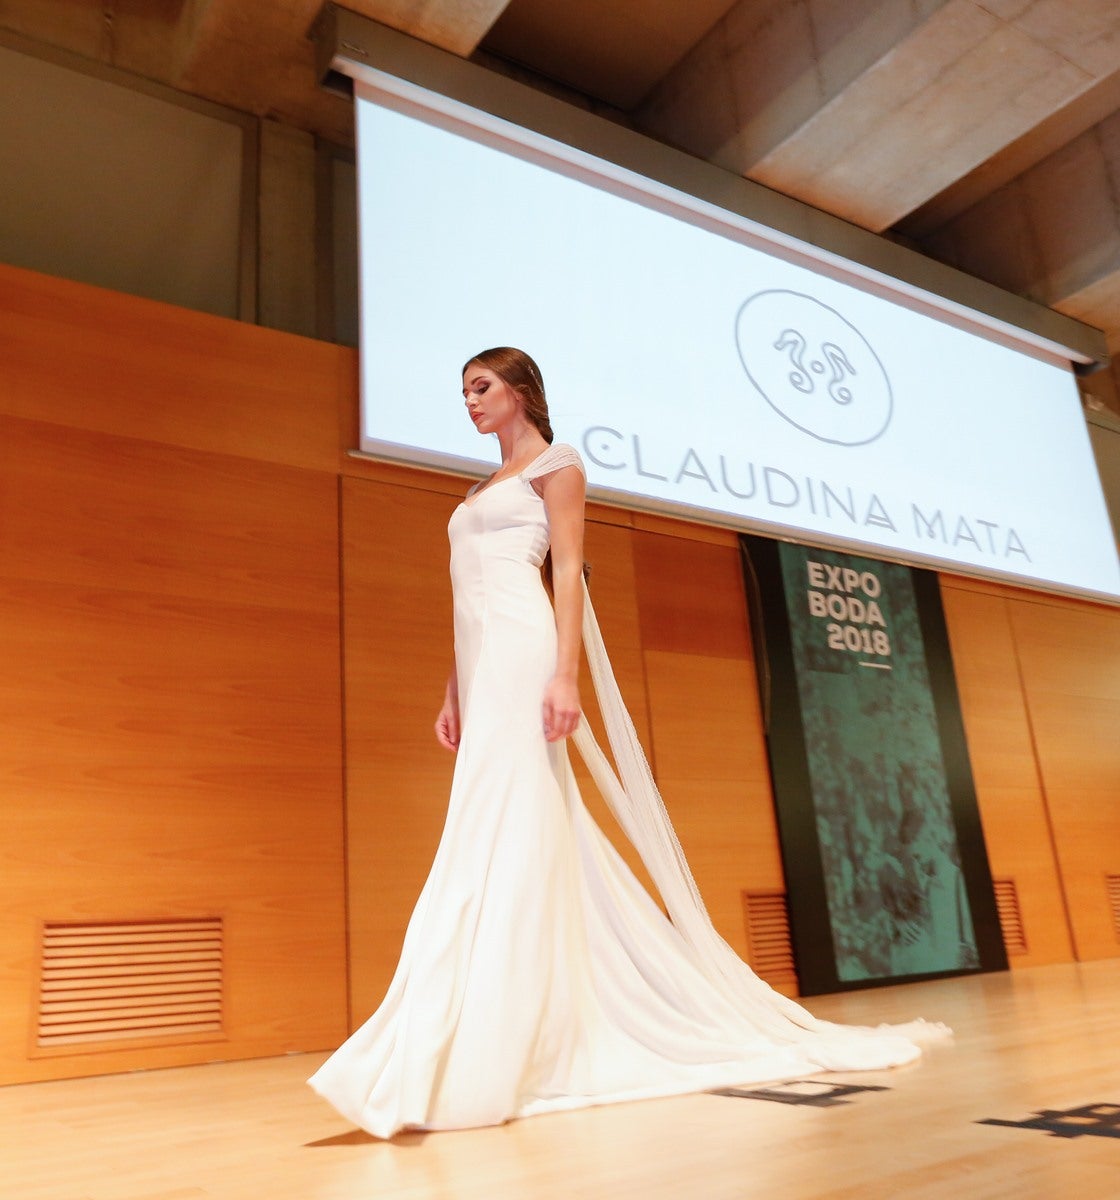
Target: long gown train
point(536, 973)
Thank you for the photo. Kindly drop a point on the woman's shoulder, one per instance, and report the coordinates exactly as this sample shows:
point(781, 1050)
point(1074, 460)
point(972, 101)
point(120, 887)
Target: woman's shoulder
point(558, 455)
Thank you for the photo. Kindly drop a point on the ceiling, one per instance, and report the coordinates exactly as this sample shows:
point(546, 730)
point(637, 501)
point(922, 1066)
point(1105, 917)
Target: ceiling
point(983, 132)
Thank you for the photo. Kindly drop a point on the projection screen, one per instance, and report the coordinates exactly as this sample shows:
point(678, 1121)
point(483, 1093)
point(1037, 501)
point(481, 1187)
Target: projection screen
point(703, 368)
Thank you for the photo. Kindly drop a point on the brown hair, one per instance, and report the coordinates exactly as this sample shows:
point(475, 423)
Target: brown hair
point(518, 371)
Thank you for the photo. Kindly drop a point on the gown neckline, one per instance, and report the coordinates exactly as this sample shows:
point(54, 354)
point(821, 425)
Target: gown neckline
point(470, 498)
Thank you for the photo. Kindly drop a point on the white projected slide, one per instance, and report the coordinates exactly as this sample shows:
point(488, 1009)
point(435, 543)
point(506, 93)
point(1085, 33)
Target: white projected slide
point(701, 375)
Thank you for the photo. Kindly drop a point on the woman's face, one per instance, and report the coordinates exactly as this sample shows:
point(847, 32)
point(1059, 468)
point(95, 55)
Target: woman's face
point(491, 403)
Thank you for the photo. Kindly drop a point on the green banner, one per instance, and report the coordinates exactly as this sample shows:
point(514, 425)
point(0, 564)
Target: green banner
point(895, 891)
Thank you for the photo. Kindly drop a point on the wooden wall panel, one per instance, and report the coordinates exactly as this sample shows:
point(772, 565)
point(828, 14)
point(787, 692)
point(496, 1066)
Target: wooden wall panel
point(170, 721)
point(706, 724)
point(96, 360)
point(170, 704)
point(1070, 655)
point(398, 653)
point(1040, 685)
point(691, 595)
point(1013, 805)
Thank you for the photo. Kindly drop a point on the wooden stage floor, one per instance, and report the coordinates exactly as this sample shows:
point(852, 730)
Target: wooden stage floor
point(1039, 1041)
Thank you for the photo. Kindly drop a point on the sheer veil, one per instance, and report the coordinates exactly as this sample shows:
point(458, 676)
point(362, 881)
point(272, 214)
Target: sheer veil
point(635, 802)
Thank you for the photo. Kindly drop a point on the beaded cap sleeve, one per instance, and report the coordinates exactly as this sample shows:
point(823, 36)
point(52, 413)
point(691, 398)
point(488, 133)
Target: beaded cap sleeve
point(555, 457)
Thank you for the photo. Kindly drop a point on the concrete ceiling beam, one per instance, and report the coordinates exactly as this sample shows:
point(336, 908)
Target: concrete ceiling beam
point(259, 58)
point(134, 38)
point(1053, 233)
point(614, 53)
point(1065, 124)
point(870, 108)
point(454, 25)
point(252, 55)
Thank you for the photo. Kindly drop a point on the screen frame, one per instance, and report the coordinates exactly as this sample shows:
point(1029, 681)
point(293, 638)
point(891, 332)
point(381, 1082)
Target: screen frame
point(476, 104)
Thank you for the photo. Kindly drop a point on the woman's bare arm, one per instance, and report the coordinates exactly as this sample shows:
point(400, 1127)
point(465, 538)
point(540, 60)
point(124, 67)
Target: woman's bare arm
point(563, 495)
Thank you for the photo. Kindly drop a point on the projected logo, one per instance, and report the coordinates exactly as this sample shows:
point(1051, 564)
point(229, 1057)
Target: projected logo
point(814, 368)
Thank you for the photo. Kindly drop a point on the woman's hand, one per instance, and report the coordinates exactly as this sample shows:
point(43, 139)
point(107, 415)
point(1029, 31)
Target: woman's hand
point(447, 725)
point(560, 708)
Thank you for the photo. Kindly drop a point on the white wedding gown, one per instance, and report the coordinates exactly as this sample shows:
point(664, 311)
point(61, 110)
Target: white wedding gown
point(536, 973)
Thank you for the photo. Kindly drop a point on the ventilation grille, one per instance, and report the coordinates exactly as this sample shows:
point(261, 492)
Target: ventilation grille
point(143, 980)
point(771, 950)
point(1112, 883)
point(1010, 916)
